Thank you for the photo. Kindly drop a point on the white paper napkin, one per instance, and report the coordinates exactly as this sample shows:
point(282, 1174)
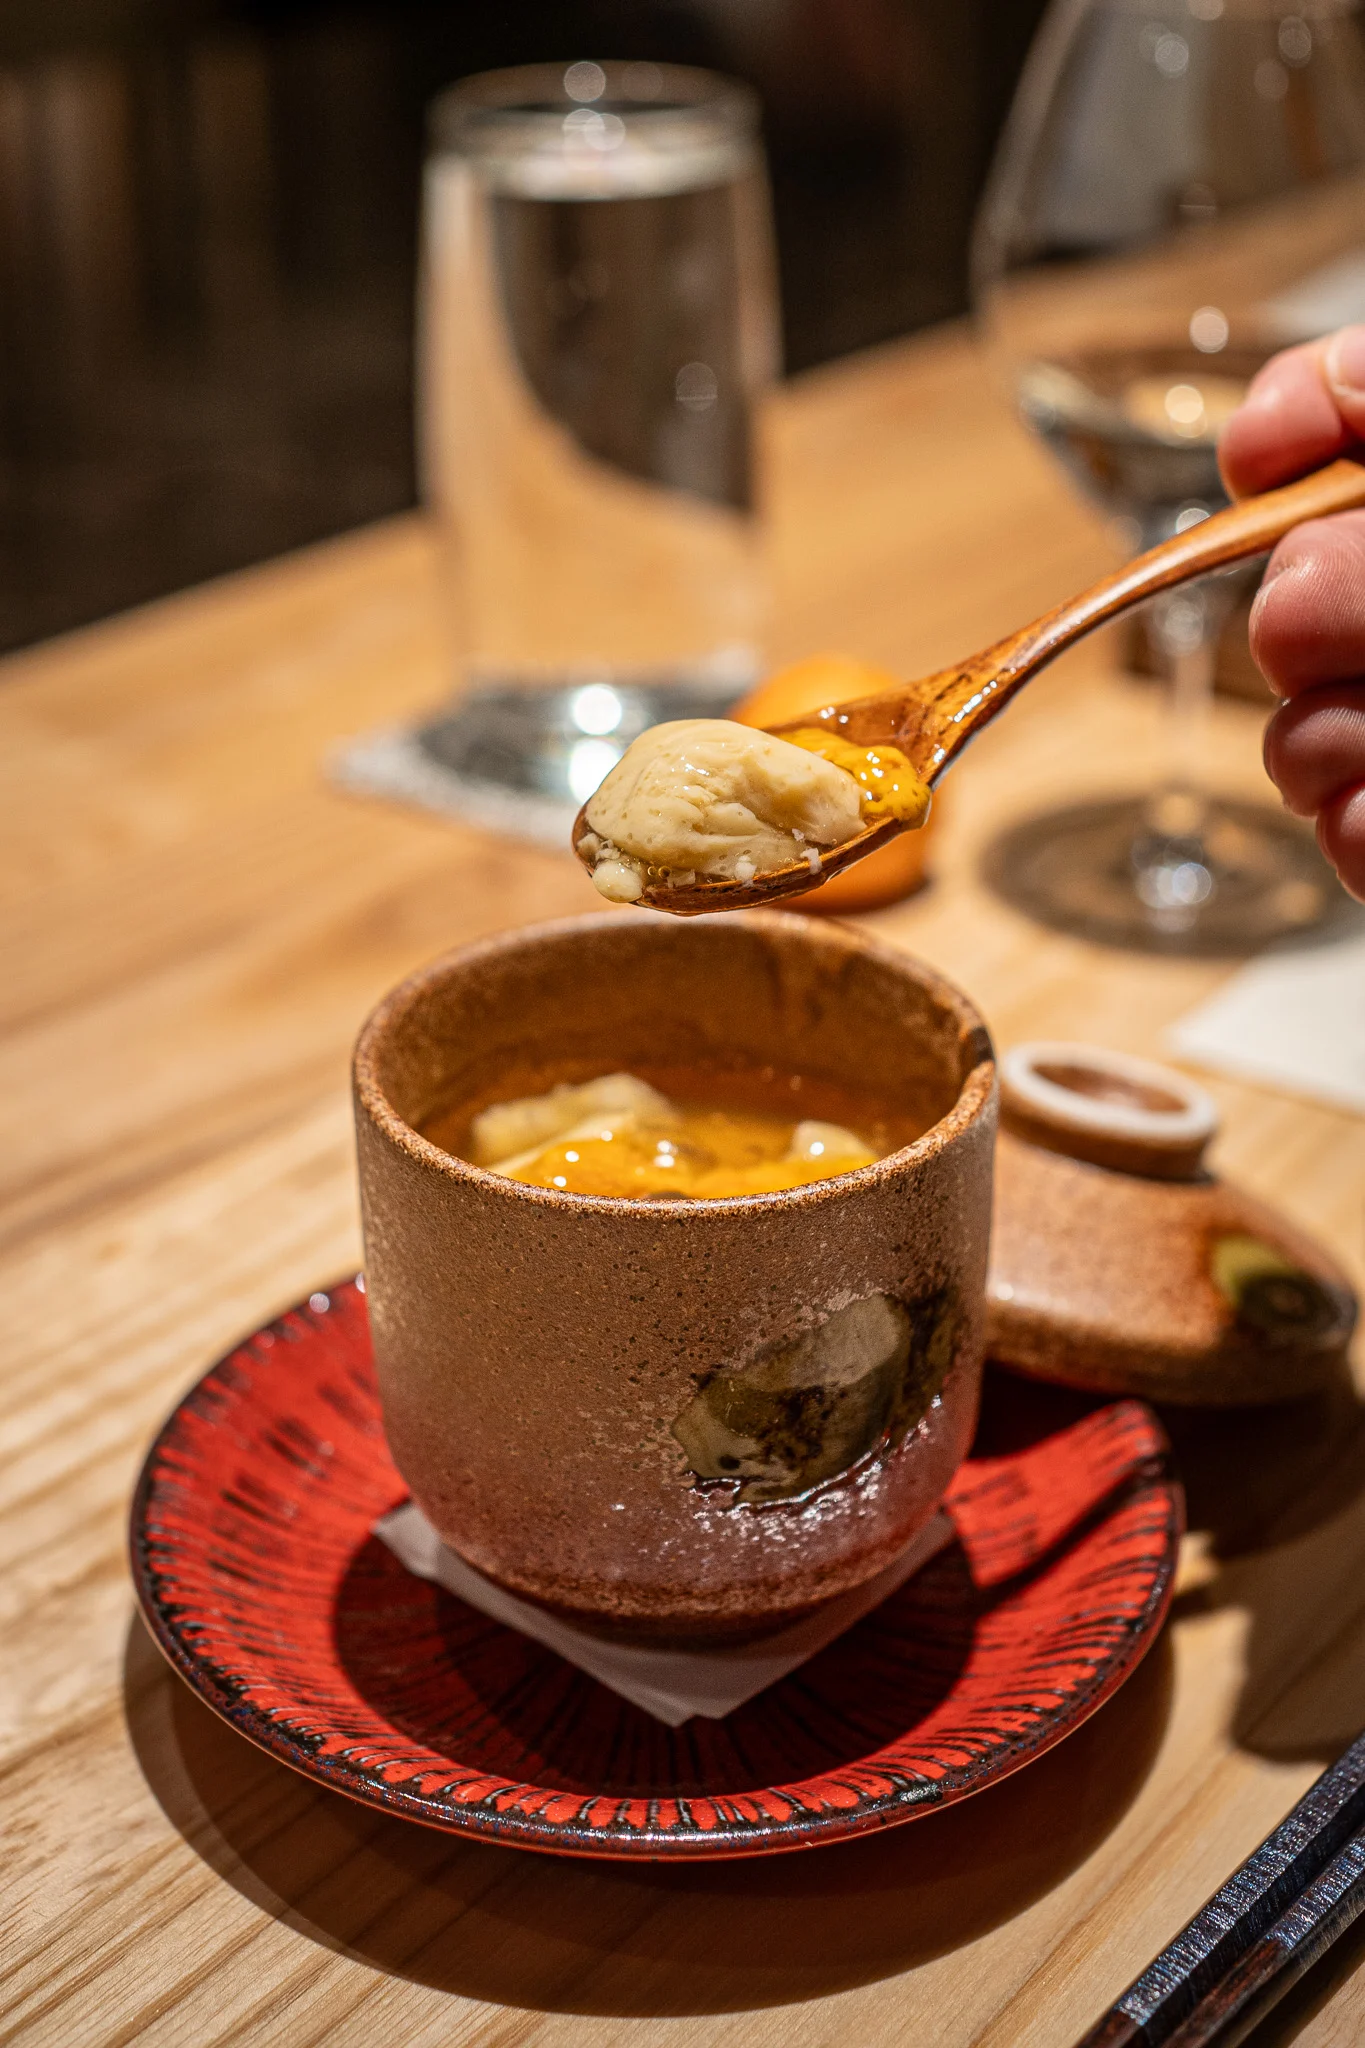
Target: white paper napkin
point(672, 1685)
point(1333, 296)
point(1293, 1019)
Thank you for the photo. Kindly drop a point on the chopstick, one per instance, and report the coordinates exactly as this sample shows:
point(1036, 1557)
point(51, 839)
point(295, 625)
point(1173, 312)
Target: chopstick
point(1259, 1932)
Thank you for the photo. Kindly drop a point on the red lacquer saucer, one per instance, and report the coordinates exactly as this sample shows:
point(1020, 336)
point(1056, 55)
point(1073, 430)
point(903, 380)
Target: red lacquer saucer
point(261, 1582)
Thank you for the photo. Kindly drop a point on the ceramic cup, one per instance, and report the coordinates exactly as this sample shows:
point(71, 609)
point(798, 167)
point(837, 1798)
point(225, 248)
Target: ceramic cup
point(683, 1421)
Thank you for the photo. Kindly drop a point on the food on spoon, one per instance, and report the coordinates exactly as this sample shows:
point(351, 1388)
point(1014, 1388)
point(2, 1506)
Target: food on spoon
point(707, 797)
point(704, 796)
point(620, 1136)
point(802, 689)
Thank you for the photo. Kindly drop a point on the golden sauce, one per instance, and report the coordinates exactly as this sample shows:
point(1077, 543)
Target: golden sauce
point(885, 776)
point(704, 1154)
point(703, 1137)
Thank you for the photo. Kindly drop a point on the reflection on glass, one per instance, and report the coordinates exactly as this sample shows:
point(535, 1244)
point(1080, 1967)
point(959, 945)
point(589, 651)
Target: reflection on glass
point(598, 325)
point(1180, 191)
point(597, 708)
point(590, 762)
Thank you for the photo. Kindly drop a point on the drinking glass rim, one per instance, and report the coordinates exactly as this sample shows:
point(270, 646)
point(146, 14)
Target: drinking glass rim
point(525, 105)
point(1232, 10)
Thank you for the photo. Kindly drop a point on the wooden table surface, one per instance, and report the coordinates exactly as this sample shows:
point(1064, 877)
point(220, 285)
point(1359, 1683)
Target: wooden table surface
point(192, 926)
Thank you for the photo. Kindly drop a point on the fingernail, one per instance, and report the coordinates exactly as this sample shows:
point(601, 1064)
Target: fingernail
point(1345, 360)
point(1273, 571)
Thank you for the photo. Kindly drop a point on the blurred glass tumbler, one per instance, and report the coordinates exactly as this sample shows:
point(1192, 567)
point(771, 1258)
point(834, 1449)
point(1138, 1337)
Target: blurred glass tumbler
point(598, 321)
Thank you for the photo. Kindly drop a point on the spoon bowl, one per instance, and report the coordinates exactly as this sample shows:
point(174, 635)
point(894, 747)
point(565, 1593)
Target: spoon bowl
point(931, 721)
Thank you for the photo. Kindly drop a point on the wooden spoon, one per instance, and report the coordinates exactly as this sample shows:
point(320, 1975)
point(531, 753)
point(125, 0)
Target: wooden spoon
point(932, 720)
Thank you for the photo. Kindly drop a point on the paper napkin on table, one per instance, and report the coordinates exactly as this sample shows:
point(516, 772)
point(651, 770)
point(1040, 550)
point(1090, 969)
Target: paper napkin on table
point(673, 1685)
point(1332, 296)
point(1293, 1019)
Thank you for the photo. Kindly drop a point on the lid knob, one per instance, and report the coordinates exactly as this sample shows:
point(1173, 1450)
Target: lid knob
point(1107, 1108)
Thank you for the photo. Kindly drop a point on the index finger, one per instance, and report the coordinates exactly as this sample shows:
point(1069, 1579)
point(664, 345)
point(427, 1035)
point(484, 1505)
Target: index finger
point(1296, 416)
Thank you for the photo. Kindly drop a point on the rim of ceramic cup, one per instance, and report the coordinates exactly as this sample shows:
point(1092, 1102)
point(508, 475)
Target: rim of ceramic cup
point(975, 1091)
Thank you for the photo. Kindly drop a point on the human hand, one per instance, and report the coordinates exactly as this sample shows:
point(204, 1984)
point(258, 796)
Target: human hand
point(1308, 622)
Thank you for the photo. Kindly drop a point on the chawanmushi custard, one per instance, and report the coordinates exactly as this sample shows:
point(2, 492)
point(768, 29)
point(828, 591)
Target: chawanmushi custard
point(709, 798)
point(686, 1133)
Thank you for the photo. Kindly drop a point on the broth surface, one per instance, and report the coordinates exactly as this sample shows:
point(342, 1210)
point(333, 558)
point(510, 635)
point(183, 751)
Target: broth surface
point(690, 1133)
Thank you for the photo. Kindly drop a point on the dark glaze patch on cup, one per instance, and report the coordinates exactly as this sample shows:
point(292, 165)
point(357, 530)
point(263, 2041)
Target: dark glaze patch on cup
point(806, 1411)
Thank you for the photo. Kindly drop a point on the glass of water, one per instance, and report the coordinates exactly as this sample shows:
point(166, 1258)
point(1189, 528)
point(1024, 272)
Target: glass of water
point(598, 324)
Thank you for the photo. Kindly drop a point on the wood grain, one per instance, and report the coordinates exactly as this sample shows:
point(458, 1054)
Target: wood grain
point(191, 927)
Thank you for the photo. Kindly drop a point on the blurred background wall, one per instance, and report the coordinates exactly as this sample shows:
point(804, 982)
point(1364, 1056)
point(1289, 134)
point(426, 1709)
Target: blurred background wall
point(208, 215)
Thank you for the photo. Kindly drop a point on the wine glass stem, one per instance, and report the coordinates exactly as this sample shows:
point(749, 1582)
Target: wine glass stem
point(1185, 624)
point(1173, 875)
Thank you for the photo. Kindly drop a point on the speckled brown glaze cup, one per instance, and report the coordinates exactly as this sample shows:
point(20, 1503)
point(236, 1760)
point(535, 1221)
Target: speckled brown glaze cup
point(544, 1358)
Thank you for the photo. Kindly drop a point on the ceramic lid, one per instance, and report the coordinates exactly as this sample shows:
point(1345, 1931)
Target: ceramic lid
point(1121, 1263)
point(1106, 1107)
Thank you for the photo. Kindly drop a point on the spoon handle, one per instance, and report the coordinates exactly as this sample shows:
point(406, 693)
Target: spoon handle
point(967, 698)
